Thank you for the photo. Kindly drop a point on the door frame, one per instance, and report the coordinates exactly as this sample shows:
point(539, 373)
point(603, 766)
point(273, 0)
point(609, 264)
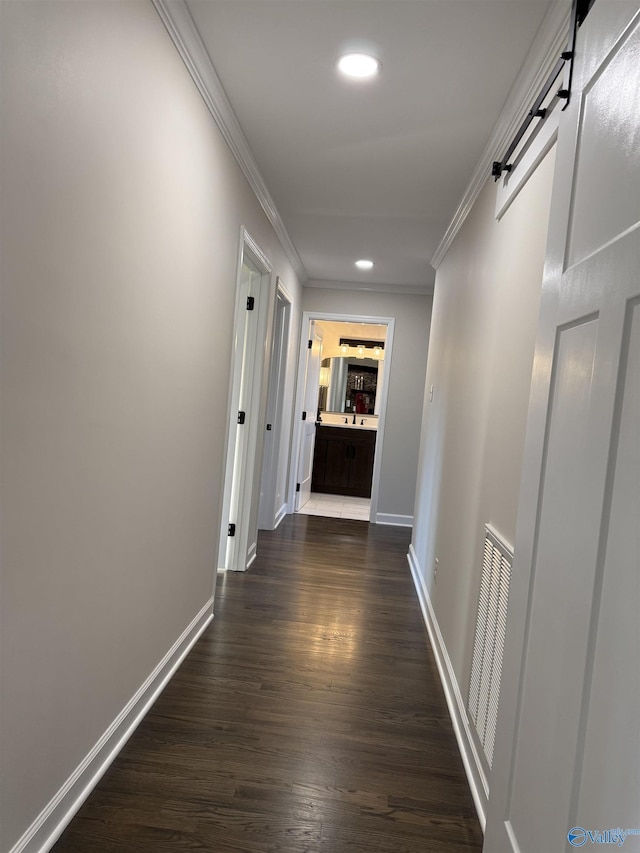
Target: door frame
point(307, 318)
point(247, 470)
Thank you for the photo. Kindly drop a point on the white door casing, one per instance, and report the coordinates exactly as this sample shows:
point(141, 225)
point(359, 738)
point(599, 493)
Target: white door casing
point(309, 414)
point(568, 740)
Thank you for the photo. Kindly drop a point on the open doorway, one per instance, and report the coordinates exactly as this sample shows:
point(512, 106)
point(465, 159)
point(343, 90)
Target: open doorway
point(340, 449)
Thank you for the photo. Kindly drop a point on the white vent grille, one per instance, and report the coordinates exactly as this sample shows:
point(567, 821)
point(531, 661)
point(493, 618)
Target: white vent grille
point(488, 645)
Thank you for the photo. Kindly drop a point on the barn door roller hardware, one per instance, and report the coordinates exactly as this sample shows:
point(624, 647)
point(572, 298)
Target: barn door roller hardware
point(579, 11)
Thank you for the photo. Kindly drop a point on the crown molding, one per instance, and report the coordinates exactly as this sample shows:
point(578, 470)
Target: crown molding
point(372, 287)
point(184, 34)
point(549, 42)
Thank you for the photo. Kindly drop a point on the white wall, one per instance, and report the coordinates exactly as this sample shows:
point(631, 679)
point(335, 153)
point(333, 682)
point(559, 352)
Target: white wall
point(484, 323)
point(121, 215)
point(406, 384)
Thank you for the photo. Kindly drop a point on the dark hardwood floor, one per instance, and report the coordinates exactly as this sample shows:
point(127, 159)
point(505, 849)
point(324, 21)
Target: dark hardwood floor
point(309, 718)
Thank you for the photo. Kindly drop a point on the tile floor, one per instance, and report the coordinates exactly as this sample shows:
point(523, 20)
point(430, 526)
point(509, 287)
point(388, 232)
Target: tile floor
point(337, 506)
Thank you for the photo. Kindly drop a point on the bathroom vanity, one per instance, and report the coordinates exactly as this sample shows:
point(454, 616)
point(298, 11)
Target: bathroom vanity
point(343, 460)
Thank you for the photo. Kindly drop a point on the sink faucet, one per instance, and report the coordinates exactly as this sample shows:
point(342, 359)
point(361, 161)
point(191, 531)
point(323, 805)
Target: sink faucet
point(354, 418)
point(346, 420)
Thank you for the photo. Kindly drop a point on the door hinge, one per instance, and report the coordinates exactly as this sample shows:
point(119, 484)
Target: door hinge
point(304, 416)
point(231, 530)
point(310, 344)
point(241, 417)
point(297, 487)
point(251, 301)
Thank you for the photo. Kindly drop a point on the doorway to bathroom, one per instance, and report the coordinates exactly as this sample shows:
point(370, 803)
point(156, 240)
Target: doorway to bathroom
point(341, 400)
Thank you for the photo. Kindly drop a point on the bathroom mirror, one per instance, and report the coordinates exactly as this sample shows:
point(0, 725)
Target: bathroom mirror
point(349, 384)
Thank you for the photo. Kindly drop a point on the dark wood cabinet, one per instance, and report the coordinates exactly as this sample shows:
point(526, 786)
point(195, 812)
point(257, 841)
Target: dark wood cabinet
point(343, 461)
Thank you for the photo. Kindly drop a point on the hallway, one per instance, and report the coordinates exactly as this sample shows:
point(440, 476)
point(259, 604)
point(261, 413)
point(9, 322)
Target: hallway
point(309, 718)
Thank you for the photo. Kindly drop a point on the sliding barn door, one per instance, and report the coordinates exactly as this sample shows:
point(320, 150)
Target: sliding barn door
point(568, 745)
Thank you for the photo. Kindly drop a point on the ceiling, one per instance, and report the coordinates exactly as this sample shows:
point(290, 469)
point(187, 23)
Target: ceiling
point(372, 169)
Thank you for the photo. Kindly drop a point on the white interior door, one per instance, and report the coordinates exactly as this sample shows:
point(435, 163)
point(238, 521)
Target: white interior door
point(567, 759)
point(309, 412)
point(238, 534)
point(244, 414)
point(272, 490)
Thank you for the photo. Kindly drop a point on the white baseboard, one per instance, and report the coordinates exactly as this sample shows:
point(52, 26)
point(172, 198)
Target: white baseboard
point(476, 777)
point(282, 512)
point(51, 822)
point(394, 520)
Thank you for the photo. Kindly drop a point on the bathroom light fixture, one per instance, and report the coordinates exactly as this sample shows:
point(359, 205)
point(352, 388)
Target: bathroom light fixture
point(360, 352)
point(359, 66)
point(360, 344)
point(377, 352)
point(364, 264)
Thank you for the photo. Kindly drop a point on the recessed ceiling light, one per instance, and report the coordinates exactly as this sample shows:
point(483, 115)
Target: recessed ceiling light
point(364, 265)
point(359, 65)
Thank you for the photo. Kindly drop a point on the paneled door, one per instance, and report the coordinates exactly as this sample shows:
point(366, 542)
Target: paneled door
point(567, 762)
